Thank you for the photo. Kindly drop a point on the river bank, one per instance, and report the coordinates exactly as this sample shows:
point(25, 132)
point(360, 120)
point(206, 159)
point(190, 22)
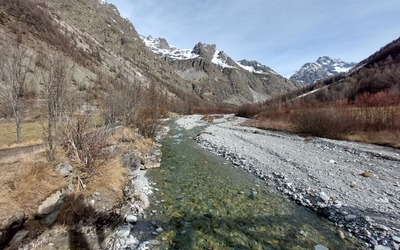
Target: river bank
point(354, 185)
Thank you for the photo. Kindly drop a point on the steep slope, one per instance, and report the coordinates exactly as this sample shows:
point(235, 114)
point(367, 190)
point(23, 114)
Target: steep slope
point(102, 23)
point(324, 67)
point(215, 75)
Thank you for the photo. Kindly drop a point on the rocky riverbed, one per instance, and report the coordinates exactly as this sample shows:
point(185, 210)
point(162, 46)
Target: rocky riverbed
point(355, 185)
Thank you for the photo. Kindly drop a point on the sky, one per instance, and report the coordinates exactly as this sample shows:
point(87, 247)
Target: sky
point(281, 34)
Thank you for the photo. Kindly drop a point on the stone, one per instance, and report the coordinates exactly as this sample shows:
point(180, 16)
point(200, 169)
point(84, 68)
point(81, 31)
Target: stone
point(131, 218)
point(133, 159)
point(50, 203)
point(341, 235)
point(10, 226)
point(350, 217)
point(332, 162)
point(369, 219)
point(324, 197)
point(159, 230)
point(49, 219)
point(124, 231)
point(131, 240)
point(16, 240)
point(396, 239)
point(338, 204)
point(382, 227)
point(320, 247)
point(373, 242)
point(380, 247)
point(64, 169)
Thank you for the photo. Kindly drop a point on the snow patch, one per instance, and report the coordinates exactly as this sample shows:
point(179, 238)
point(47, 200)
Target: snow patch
point(221, 61)
point(180, 54)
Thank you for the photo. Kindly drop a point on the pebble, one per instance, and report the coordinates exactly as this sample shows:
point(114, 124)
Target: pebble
point(369, 219)
point(382, 227)
point(124, 231)
point(159, 230)
point(350, 217)
point(396, 239)
point(338, 204)
point(131, 240)
point(380, 247)
point(341, 235)
point(324, 197)
point(321, 247)
point(131, 218)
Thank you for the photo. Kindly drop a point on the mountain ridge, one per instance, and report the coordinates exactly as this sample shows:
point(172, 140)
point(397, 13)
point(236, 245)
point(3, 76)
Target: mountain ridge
point(323, 67)
point(208, 67)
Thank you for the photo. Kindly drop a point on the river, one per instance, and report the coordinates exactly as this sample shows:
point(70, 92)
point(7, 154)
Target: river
point(205, 203)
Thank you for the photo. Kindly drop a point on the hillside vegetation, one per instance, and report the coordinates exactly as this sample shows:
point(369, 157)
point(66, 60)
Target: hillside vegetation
point(363, 105)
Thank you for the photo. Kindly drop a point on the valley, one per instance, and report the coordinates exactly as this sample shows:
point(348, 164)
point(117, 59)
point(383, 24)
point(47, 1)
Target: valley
point(114, 140)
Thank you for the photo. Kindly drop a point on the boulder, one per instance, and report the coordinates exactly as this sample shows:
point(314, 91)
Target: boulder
point(64, 169)
point(51, 203)
point(10, 226)
point(133, 159)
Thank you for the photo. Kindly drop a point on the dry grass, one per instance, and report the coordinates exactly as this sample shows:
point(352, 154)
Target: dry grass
point(354, 129)
point(271, 124)
point(32, 134)
point(109, 179)
point(384, 137)
point(26, 182)
point(211, 118)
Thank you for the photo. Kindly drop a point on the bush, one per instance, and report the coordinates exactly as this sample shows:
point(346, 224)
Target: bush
point(83, 144)
point(327, 122)
point(248, 110)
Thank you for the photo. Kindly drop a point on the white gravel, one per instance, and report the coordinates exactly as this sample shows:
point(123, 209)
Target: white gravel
point(323, 174)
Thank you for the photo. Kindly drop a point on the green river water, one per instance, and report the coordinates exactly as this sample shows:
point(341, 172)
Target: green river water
point(204, 203)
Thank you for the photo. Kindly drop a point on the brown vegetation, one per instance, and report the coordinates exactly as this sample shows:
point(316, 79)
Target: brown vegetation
point(26, 181)
point(363, 105)
point(373, 118)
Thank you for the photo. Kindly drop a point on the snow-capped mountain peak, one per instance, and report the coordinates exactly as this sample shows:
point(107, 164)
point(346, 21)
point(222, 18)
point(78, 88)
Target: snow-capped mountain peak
point(322, 68)
point(255, 67)
point(223, 60)
point(161, 47)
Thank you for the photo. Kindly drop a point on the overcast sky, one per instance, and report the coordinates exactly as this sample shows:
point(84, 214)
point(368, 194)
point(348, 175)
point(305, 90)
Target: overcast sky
point(282, 34)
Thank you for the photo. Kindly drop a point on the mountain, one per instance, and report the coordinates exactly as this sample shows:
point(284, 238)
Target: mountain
point(324, 67)
point(375, 80)
point(105, 48)
point(215, 75)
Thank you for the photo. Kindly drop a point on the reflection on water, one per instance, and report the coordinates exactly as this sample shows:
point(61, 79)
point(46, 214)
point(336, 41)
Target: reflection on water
point(206, 204)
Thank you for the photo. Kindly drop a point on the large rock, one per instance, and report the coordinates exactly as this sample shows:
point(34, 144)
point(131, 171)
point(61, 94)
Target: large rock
point(133, 159)
point(10, 226)
point(64, 168)
point(52, 203)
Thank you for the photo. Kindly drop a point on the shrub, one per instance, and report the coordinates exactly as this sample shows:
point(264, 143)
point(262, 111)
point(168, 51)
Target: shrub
point(248, 110)
point(83, 144)
point(326, 122)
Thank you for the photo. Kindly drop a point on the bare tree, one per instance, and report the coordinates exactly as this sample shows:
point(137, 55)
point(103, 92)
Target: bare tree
point(123, 102)
point(54, 78)
point(14, 67)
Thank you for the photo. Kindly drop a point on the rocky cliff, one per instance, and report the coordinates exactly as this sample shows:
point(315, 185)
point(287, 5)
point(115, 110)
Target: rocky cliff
point(216, 76)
